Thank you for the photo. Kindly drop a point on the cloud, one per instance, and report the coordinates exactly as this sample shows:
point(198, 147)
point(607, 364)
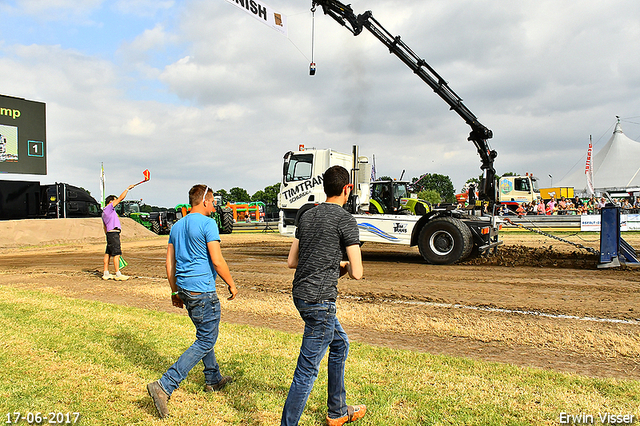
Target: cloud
point(54, 10)
point(147, 8)
point(201, 92)
point(151, 41)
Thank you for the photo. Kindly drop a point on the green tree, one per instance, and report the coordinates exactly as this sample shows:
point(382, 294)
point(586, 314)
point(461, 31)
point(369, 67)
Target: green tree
point(239, 195)
point(146, 208)
point(267, 195)
point(430, 195)
point(474, 180)
point(224, 194)
point(440, 183)
point(385, 178)
point(259, 195)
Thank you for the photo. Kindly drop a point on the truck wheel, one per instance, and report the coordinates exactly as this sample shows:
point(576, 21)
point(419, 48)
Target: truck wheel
point(155, 227)
point(227, 221)
point(445, 240)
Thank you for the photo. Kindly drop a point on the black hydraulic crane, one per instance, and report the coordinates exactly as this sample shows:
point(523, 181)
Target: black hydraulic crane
point(344, 15)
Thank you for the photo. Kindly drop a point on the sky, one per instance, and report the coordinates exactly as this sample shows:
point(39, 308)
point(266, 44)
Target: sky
point(198, 91)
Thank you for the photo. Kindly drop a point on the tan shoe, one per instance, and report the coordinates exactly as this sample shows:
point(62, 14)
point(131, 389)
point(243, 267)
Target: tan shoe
point(160, 398)
point(121, 277)
point(353, 414)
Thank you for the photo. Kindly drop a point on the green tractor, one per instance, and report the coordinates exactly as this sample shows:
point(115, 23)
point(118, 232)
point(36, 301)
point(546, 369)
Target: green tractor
point(222, 215)
point(131, 209)
point(393, 197)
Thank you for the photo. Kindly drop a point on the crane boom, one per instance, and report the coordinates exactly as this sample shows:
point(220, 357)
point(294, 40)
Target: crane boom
point(479, 134)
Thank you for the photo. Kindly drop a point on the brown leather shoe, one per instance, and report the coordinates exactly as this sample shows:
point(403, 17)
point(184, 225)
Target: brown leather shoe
point(160, 398)
point(218, 386)
point(353, 414)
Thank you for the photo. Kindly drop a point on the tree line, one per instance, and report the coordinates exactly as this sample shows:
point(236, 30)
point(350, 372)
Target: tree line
point(432, 187)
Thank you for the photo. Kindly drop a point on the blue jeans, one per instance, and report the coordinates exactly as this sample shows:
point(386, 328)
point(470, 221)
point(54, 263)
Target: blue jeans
point(322, 330)
point(204, 311)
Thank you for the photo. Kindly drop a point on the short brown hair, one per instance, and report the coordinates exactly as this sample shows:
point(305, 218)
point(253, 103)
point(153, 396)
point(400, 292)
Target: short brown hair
point(334, 180)
point(196, 194)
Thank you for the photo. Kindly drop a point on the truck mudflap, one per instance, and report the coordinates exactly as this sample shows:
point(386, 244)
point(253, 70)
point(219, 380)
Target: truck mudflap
point(485, 232)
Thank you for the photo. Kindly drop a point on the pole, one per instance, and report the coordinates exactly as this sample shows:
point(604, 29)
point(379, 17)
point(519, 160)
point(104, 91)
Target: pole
point(102, 185)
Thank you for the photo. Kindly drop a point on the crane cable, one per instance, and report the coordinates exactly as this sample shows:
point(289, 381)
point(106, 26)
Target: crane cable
point(312, 66)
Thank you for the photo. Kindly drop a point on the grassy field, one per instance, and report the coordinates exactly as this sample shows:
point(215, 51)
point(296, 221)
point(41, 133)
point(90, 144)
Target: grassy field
point(62, 355)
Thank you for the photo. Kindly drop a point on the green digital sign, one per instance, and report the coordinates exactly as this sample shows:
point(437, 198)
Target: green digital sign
point(23, 136)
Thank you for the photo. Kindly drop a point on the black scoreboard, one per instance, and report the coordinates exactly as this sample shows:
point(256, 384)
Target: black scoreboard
point(23, 136)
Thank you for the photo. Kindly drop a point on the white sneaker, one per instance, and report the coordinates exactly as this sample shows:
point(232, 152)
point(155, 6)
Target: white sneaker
point(107, 276)
point(121, 277)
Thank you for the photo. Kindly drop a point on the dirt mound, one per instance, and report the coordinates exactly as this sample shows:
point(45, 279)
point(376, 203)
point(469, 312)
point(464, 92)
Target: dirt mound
point(35, 232)
point(519, 255)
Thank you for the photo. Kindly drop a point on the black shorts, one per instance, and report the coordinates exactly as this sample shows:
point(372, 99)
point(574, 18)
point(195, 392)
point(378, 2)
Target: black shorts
point(113, 244)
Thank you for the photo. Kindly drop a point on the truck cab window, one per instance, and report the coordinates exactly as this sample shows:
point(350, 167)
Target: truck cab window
point(300, 167)
point(521, 184)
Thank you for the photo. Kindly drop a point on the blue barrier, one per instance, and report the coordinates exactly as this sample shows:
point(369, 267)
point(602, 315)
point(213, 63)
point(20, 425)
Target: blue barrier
point(614, 250)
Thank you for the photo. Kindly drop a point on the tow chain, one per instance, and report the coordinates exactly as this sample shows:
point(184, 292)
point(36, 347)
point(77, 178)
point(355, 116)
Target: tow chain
point(578, 245)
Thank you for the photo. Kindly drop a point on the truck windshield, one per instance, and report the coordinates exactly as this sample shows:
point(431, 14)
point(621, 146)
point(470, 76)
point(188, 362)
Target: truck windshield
point(534, 183)
point(300, 167)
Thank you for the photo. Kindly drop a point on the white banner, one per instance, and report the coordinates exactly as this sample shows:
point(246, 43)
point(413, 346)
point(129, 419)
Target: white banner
point(264, 14)
point(628, 222)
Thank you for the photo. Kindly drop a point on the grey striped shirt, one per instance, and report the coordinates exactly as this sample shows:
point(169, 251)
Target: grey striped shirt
point(324, 232)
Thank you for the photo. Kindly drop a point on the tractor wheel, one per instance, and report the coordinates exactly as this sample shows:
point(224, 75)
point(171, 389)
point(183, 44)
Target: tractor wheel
point(227, 221)
point(445, 240)
point(155, 227)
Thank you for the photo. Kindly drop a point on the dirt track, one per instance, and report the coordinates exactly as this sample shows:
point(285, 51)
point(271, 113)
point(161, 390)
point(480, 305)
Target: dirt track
point(402, 302)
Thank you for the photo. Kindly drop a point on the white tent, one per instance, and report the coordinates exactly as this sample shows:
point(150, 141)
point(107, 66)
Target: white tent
point(616, 167)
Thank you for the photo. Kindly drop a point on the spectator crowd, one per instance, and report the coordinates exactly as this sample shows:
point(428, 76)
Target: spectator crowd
point(568, 206)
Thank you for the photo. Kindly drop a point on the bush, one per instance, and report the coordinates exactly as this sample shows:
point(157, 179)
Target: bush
point(430, 195)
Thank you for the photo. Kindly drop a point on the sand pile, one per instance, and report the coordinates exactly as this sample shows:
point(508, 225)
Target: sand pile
point(35, 232)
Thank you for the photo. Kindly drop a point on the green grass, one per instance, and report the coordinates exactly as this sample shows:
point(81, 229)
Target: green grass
point(67, 355)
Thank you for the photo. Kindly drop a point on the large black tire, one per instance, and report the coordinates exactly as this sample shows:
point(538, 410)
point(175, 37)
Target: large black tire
point(227, 221)
point(445, 240)
point(155, 227)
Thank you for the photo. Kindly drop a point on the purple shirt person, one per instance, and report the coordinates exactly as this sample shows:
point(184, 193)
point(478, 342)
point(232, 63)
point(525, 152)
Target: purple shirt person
point(111, 224)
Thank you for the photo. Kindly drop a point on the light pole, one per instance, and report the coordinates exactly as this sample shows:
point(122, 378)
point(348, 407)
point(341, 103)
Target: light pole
point(551, 177)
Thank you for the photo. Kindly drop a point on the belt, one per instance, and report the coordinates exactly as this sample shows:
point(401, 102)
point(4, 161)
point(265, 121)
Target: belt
point(193, 293)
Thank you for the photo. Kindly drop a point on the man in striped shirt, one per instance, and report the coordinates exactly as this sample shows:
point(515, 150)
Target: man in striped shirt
point(324, 234)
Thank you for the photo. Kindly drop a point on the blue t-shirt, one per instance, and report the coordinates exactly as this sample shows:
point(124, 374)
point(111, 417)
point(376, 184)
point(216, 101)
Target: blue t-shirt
point(189, 236)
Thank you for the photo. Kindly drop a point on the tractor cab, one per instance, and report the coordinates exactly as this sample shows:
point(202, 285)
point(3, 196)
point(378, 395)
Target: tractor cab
point(126, 208)
point(386, 196)
point(393, 197)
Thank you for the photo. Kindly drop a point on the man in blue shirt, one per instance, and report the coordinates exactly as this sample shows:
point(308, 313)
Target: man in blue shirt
point(194, 260)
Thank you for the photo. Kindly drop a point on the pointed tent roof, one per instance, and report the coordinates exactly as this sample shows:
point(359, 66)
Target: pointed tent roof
point(615, 167)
